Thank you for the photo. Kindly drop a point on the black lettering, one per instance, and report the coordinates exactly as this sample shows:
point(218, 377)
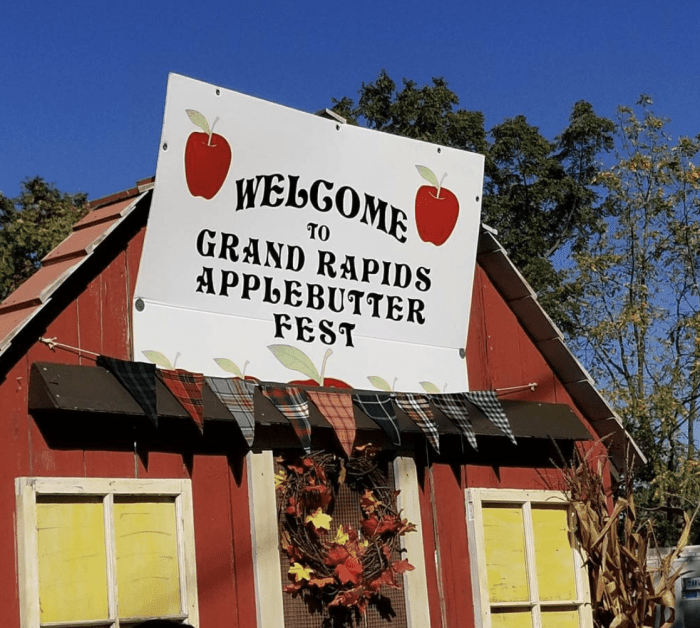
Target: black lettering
point(376, 212)
point(292, 200)
point(423, 282)
point(373, 298)
point(205, 282)
point(393, 305)
point(229, 242)
point(354, 206)
point(246, 196)
point(251, 254)
point(325, 261)
point(274, 251)
point(304, 329)
point(281, 322)
point(272, 294)
point(398, 218)
point(209, 252)
point(327, 201)
point(332, 292)
point(347, 268)
point(327, 336)
point(295, 257)
point(354, 297)
point(251, 283)
point(402, 279)
point(315, 296)
point(415, 311)
point(229, 279)
point(369, 267)
point(269, 189)
point(292, 293)
point(346, 330)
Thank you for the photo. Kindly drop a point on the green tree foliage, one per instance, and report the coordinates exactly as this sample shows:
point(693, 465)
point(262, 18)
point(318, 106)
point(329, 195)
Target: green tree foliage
point(537, 192)
point(638, 327)
point(31, 225)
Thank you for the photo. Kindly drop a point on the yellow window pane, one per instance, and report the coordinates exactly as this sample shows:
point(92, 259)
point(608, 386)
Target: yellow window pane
point(511, 619)
point(72, 561)
point(554, 558)
point(148, 576)
point(560, 619)
point(504, 538)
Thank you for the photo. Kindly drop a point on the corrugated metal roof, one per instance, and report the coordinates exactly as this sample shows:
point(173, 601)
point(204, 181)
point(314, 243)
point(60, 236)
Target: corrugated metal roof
point(522, 300)
point(105, 215)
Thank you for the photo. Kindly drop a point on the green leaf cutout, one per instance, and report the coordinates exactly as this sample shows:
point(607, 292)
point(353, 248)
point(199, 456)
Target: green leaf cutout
point(228, 366)
point(379, 382)
point(428, 175)
point(158, 358)
point(198, 119)
point(296, 360)
point(429, 387)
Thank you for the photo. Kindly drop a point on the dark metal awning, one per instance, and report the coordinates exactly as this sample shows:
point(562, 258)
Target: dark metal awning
point(91, 396)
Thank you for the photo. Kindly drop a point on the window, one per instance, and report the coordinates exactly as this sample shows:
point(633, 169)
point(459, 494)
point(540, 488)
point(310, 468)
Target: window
point(105, 553)
point(526, 570)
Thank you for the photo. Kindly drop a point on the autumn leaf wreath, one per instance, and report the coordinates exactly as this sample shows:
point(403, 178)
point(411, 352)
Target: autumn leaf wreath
point(331, 561)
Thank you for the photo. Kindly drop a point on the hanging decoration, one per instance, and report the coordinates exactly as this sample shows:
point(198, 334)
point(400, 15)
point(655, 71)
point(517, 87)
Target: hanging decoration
point(332, 562)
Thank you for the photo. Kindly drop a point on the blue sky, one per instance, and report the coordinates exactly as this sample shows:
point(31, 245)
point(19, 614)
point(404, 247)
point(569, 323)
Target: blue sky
point(82, 84)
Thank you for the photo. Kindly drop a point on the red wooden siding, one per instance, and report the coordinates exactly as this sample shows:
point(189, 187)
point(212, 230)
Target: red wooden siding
point(99, 321)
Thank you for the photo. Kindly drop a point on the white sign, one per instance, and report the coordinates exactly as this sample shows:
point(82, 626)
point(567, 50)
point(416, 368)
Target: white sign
point(301, 249)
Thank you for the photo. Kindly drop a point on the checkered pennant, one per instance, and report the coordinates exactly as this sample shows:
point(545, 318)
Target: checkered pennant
point(490, 405)
point(378, 407)
point(187, 388)
point(336, 408)
point(418, 410)
point(138, 378)
point(292, 403)
point(237, 396)
point(453, 406)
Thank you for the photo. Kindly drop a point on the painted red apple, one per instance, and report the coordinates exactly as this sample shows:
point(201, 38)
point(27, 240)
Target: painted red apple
point(207, 158)
point(328, 382)
point(437, 209)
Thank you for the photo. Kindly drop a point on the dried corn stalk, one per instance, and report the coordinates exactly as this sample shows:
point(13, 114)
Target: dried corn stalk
point(625, 592)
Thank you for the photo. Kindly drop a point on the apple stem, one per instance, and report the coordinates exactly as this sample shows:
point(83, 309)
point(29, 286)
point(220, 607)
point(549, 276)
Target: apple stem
point(245, 366)
point(393, 385)
point(211, 131)
point(329, 353)
point(440, 185)
point(177, 357)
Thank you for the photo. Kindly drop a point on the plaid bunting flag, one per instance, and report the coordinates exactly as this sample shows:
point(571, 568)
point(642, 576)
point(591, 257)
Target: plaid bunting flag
point(454, 407)
point(490, 405)
point(378, 407)
point(336, 408)
point(138, 378)
point(237, 396)
point(291, 402)
point(187, 389)
point(418, 410)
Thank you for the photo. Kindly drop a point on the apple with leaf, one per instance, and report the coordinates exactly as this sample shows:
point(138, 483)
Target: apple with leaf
point(296, 360)
point(207, 158)
point(437, 209)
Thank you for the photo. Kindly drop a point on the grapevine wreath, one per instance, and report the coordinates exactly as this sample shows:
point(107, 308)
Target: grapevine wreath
point(331, 562)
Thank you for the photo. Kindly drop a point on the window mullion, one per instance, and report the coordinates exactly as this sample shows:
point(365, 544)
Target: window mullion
point(531, 568)
point(111, 555)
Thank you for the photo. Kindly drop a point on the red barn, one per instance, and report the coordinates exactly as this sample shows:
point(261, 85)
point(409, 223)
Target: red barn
point(108, 520)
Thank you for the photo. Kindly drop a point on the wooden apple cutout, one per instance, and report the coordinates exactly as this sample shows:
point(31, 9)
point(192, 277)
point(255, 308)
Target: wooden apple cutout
point(437, 209)
point(207, 158)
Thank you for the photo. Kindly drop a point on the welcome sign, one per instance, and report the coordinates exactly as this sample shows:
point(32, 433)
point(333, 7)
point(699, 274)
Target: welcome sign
point(293, 248)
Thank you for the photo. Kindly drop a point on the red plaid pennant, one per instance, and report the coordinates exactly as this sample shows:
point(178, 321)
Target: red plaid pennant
point(336, 408)
point(187, 388)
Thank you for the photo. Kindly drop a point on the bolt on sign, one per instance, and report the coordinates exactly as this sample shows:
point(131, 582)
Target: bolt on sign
point(289, 247)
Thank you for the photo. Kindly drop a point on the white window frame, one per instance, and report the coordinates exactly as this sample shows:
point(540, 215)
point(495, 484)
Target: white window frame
point(475, 497)
point(265, 537)
point(27, 489)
